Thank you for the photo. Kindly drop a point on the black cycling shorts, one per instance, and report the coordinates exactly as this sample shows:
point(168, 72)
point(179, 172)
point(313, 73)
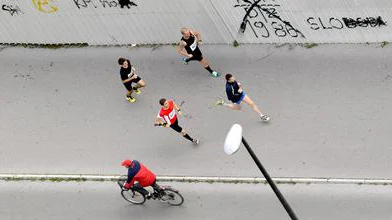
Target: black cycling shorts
point(128, 85)
point(176, 127)
point(196, 55)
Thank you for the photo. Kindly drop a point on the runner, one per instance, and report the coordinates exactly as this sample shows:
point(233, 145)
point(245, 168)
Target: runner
point(128, 76)
point(189, 41)
point(236, 95)
point(167, 117)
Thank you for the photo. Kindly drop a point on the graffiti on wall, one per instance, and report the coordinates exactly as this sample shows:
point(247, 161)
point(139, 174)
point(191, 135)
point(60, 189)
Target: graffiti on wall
point(46, 6)
point(345, 22)
point(104, 3)
point(264, 20)
point(11, 9)
point(126, 3)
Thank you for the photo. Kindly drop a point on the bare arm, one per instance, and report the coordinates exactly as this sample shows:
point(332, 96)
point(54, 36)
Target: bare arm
point(180, 49)
point(127, 80)
point(159, 121)
point(197, 35)
point(177, 108)
point(134, 76)
point(239, 87)
point(133, 71)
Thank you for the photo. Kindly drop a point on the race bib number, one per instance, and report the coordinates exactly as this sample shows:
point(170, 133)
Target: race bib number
point(194, 45)
point(172, 114)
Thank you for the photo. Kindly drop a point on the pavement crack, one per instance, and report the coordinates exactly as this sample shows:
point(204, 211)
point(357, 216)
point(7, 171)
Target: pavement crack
point(264, 57)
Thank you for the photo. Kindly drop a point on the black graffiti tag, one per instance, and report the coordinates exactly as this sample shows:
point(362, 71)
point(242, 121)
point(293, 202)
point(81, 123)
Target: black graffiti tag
point(104, 3)
point(126, 3)
point(109, 4)
point(12, 9)
point(268, 12)
point(336, 23)
point(364, 22)
point(84, 3)
point(332, 23)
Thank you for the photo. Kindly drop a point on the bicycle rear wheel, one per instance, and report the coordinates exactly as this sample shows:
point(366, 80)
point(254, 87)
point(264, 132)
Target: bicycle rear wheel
point(172, 197)
point(133, 196)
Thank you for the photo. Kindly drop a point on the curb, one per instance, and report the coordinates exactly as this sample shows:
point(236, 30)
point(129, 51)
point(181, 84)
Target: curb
point(197, 179)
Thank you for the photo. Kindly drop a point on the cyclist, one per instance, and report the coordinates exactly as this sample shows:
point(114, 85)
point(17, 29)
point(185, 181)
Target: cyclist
point(137, 172)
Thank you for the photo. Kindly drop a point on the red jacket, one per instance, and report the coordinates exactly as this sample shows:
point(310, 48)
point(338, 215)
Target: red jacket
point(138, 172)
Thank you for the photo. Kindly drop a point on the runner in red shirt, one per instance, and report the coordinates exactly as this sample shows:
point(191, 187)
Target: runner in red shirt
point(167, 117)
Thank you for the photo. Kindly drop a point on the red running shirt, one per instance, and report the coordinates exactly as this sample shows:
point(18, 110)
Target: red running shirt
point(169, 115)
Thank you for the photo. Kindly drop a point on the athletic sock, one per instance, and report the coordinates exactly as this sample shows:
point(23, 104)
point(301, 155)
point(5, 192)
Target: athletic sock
point(188, 137)
point(208, 69)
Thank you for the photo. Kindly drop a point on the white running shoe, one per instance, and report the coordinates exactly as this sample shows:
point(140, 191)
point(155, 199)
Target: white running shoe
point(215, 74)
point(220, 102)
point(196, 141)
point(265, 118)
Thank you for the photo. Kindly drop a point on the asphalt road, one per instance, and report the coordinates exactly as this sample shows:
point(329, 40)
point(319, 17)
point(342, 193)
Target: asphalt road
point(63, 111)
point(102, 200)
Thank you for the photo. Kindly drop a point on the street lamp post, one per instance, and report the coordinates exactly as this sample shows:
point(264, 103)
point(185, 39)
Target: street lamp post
point(232, 144)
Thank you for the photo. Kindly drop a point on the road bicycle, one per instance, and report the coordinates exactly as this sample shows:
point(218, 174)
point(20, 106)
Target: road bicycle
point(164, 194)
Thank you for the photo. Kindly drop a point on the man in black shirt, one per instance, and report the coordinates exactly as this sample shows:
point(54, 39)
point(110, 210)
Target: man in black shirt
point(128, 76)
point(189, 41)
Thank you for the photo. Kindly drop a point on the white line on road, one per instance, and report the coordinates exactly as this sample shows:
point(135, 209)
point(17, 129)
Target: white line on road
point(196, 179)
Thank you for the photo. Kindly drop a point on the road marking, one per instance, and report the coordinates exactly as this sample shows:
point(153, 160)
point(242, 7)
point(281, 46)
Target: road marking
point(198, 179)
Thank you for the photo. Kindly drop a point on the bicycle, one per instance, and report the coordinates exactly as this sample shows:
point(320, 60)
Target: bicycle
point(165, 194)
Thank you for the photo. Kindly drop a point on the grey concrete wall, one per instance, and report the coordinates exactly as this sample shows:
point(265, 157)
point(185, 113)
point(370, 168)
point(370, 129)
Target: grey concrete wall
point(105, 22)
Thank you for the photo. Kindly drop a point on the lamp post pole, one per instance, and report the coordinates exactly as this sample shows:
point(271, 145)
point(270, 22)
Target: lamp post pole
point(269, 180)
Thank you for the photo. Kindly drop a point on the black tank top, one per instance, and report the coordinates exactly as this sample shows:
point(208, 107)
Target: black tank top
point(191, 44)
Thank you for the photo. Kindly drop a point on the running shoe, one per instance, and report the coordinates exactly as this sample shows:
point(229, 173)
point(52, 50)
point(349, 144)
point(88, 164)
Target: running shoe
point(184, 61)
point(137, 91)
point(131, 99)
point(215, 74)
point(196, 141)
point(264, 118)
point(220, 102)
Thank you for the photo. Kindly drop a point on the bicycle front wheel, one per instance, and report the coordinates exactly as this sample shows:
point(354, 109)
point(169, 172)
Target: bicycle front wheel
point(173, 197)
point(134, 197)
